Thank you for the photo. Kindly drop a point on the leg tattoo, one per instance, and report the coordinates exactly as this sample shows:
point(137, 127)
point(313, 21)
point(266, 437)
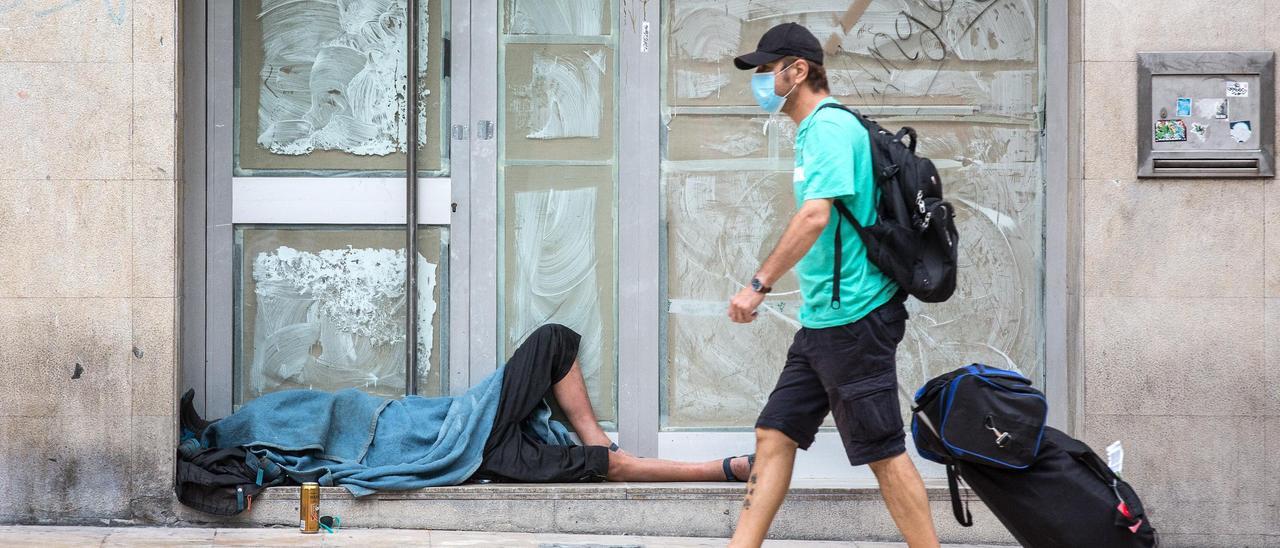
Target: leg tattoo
point(751, 489)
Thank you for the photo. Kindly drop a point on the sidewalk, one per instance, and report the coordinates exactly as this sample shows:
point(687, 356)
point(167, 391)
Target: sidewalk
point(366, 538)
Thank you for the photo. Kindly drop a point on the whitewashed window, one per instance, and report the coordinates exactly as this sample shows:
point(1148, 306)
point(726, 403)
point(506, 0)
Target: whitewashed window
point(324, 308)
point(321, 95)
point(321, 87)
point(965, 73)
point(557, 76)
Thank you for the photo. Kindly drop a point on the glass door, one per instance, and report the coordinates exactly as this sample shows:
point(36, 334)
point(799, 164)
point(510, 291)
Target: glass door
point(306, 260)
point(557, 80)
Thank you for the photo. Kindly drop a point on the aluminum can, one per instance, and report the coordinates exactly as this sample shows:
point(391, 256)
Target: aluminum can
point(309, 508)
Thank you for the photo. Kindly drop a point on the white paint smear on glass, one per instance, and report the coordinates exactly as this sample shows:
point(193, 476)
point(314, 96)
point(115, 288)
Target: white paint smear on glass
point(740, 144)
point(333, 77)
point(720, 225)
point(573, 17)
point(1005, 92)
point(563, 99)
point(707, 34)
point(972, 30)
point(969, 30)
point(555, 272)
point(692, 84)
point(335, 319)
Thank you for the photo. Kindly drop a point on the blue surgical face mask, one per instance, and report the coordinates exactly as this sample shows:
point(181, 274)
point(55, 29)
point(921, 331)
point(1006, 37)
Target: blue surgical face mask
point(762, 86)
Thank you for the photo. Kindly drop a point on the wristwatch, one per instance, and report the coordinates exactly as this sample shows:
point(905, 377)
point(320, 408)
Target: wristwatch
point(759, 287)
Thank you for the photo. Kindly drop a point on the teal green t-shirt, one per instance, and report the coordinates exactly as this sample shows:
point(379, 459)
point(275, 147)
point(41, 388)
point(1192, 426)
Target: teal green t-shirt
point(833, 160)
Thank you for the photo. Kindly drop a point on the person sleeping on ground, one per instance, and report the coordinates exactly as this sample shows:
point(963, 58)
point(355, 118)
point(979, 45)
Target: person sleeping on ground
point(499, 430)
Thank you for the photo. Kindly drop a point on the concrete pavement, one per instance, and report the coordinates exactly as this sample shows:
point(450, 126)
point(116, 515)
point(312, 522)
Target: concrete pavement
point(56, 536)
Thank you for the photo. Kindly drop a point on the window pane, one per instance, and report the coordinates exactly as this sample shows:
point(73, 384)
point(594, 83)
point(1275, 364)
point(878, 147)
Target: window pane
point(433, 310)
point(557, 17)
point(323, 308)
point(559, 265)
point(965, 74)
point(321, 87)
point(557, 150)
point(559, 102)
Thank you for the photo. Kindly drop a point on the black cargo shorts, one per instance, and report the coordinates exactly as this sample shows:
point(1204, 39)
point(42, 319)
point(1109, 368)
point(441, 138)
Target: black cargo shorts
point(851, 372)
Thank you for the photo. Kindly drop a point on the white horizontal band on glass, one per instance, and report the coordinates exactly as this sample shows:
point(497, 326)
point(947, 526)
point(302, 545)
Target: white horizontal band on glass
point(869, 110)
point(825, 459)
point(337, 201)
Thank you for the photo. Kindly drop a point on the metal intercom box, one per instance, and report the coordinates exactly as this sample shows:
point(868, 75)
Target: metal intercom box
point(1206, 114)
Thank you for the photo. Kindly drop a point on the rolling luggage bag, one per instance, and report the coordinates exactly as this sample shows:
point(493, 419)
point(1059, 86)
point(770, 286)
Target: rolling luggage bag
point(987, 425)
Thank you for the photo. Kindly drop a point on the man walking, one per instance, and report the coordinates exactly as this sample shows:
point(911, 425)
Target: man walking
point(842, 359)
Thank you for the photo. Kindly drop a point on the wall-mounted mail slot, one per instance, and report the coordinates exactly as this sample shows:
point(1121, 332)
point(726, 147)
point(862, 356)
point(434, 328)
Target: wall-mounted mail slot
point(1206, 114)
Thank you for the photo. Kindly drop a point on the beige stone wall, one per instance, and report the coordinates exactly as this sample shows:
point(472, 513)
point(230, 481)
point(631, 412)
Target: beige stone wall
point(1177, 287)
point(87, 258)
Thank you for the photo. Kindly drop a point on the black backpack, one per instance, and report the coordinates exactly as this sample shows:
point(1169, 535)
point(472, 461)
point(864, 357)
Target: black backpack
point(914, 240)
point(218, 481)
point(223, 481)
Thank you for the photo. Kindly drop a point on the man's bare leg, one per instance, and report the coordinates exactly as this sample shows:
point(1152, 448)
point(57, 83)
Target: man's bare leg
point(908, 503)
point(770, 479)
point(624, 467)
point(571, 394)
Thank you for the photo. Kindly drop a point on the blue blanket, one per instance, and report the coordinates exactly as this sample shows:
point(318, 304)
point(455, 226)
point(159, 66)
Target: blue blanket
point(368, 444)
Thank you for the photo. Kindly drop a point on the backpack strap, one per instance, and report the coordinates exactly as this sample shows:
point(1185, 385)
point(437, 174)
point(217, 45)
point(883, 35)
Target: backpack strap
point(959, 508)
point(837, 106)
point(844, 212)
point(835, 277)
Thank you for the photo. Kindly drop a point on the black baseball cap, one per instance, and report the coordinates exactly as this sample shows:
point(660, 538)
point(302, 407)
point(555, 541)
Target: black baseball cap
point(781, 41)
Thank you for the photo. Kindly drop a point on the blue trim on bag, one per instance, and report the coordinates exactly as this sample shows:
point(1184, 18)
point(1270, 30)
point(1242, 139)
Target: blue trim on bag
point(946, 414)
point(925, 453)
point(982, 369)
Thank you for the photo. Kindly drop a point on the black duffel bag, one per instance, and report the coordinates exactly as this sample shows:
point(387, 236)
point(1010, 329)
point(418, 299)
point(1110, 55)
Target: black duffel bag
point(983, 415)
point(987, 425)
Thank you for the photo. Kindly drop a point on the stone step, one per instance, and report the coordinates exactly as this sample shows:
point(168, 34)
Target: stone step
point(814, 510)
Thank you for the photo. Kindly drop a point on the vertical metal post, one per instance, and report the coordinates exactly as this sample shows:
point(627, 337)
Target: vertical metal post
point(485, 218)
point(1054, 23)
point(459, 290)
point(639, 188)
point(411, 202)
point(219, 229)
point(194, 184)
